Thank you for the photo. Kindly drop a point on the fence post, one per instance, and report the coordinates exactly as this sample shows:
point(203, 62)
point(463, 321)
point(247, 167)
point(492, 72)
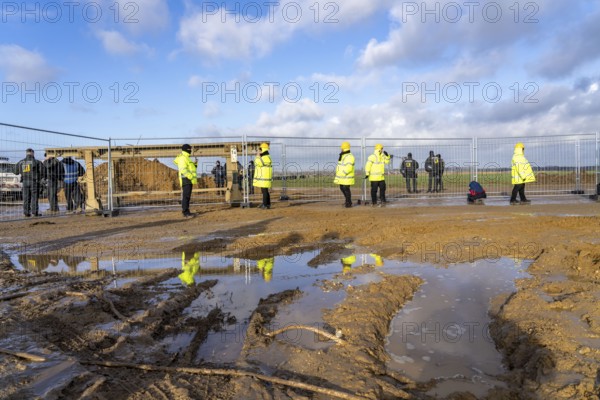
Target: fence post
point(577, 166)
point(363, 155)
point(247, 183)
point(110, 179)
point(597, 161)
point(474, 157)
point(284, 195)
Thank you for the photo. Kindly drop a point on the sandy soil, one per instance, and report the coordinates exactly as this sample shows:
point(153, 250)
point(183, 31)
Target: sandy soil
point(548, 331)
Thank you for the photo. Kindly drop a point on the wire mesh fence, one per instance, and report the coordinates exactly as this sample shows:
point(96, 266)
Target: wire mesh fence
point(130, 173)
point(71, 193)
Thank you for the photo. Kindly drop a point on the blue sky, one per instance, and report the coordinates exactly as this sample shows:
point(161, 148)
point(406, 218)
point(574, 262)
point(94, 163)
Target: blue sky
point(350, 68)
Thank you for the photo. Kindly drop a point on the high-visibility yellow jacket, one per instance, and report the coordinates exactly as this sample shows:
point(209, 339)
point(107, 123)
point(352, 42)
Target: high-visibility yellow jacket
point(521, 169)
point(187, 168)
point(375, 167)
point(344, 172)
point(266, 266)
point(189, 268)
point(263, 171)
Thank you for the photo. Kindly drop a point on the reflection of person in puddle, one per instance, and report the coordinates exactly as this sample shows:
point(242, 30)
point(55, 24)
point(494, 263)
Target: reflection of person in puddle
point(378, 260)
point(266, 267)
point(347, 263)
point(190, 268)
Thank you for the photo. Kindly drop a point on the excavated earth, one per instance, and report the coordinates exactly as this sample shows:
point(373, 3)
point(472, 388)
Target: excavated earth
point(109, 343)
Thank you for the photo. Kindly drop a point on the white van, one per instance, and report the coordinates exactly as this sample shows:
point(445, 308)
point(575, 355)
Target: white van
point(11, 187)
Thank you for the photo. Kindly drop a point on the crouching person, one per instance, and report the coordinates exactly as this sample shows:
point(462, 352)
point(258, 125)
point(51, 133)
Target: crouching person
point(476, 193)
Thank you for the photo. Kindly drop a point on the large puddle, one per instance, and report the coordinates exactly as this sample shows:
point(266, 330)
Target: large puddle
point(441, 334)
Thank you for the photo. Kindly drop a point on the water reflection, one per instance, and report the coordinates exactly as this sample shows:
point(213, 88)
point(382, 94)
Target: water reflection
point(378, 259)
point(41, 262)
point(347, 263)
point(265, 266)
point(190, 268)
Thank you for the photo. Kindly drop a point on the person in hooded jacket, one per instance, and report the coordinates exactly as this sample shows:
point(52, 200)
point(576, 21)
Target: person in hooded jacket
point(188, 177)
point(55, 173)
point(344, 173)
point(521, 174)
point(375, 173)
point(32, 172)
point(263, 174)
point(73, 170)
point(476, 193)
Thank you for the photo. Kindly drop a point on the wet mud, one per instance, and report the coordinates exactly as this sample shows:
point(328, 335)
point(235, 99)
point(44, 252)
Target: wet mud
point(140, 341)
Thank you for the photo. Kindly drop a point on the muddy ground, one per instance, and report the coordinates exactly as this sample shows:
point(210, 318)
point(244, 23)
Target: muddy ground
point(548, 331)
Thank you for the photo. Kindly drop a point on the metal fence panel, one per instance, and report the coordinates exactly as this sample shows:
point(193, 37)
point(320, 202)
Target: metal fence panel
point(304, 168)
point(14, 140)
point(562, 164)
point(145, 174)
point(455, 153)
point(140, 173)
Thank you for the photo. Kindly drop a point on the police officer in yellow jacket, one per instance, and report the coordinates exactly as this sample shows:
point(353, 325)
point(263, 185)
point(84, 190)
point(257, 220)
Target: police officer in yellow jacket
point(189, 268)
point(375, 172)
point(263, 174)
point(521, 174)
point(344, 173)
point(187, 177)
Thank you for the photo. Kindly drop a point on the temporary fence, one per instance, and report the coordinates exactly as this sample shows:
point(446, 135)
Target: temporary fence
point(133, 173)
point(15, 140)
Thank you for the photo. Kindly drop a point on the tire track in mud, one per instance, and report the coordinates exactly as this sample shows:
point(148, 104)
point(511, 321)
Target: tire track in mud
point(358, 366)
point(73, 317)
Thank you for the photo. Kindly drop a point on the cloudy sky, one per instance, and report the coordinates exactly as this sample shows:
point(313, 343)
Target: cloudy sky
point(346, 68)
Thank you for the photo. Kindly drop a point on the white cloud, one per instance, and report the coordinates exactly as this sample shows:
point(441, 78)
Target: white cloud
point(195, 81)
point(115, 43)
point(140, 16)
point(209, 37)
point(418, 38)
point(559, 109)
point(211, 109)
point(573, 46)
point(232, 32)
point(22, 65)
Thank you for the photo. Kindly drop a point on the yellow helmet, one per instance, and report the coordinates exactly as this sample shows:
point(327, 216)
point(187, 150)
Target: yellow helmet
point(345, 146)
point(378, 146)
point(519, 146)
point(264, 146)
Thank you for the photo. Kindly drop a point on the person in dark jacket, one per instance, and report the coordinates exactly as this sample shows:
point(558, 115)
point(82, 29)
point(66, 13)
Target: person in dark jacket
point(476, 193)
point(55, 173)
point(251, 176)
point(438, 173)
point(32, 172)
point(429, 169)
point(408, 169)
point(73, 170)
point(219, 173)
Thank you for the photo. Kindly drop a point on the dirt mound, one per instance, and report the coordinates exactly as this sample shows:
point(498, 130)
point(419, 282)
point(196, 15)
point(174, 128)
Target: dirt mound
point(142, 175)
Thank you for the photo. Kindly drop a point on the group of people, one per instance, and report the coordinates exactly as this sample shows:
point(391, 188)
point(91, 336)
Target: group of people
point(219, 173)
point(262, 174)
point(375, 173)
point(434, 166)
point(54, 173)
point(260, 170)
point(521, 173)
